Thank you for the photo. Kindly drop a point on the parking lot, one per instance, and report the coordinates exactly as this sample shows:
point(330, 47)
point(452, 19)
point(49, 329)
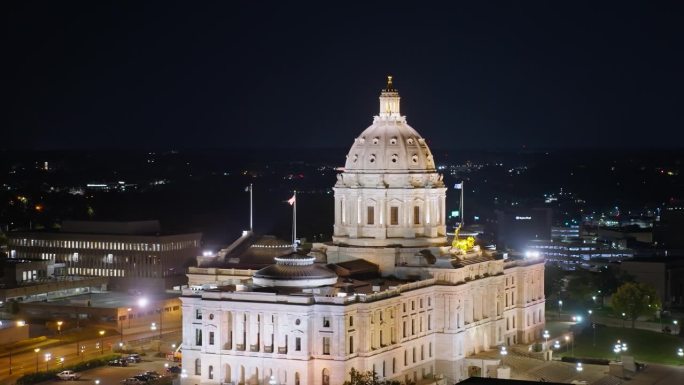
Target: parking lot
point(113, 375)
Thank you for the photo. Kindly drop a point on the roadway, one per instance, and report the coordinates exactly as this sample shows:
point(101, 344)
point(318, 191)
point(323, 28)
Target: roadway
point(27, 362)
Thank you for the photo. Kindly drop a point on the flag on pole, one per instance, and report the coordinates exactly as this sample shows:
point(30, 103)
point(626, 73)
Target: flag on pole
point(458, 186)
point(292, 200)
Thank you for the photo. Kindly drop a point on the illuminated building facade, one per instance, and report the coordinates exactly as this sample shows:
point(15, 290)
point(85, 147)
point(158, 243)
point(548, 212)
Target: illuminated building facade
point(388, 294)
point(123, 251)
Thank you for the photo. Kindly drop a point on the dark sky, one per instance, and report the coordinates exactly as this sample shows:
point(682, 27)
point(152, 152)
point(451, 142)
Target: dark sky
point(203, 74)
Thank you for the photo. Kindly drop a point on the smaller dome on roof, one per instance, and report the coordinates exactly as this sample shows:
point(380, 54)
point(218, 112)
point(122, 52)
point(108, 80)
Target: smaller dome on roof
point(295, 270)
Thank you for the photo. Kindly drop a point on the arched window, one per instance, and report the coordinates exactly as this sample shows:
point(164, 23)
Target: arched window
point(326, 377)
point(297, 378)
point(198, 367)
point(210, 372)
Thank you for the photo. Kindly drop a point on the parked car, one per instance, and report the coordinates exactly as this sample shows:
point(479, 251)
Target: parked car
point(144, 377)
point(132, 381)
point(152, 374)
point(118, 362)
point(68, 375)
point(174, 369)
point(135, 357)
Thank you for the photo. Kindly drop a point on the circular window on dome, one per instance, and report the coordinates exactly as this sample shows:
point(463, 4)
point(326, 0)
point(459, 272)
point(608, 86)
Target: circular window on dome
point(371, 158)
point(362, 139)
point(409, 140)
point(356, 157)
point(393, 140)
point(376, 140)
point(297, 321)
point(211, 316)
point(395, 158)
point(414, 158)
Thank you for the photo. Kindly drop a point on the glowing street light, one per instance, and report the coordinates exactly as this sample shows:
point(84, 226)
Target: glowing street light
point(101, 332)
point(142, 302)
point(556, 345)
point(153, 326)
point(48, 357)
point(579, 367)
point(680, 353)
point(546, 336)
point(59, 327)
point(560, 307)
point(503, 353)
point(36, 350)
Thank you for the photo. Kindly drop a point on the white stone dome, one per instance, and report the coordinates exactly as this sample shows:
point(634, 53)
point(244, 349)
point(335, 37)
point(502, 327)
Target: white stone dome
point(389, 146)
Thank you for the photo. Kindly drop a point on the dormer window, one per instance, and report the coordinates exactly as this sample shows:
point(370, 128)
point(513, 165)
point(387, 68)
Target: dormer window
point(395, 158)
point(409, 140)
point(393, 141)
point(414, 158)
point(372, 158)
point(376, 140)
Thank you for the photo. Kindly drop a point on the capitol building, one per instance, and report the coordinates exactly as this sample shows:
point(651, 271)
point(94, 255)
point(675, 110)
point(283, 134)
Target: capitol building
point(390, 293)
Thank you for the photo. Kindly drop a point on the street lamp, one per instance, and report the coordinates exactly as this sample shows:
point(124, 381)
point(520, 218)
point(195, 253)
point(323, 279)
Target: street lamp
point(546, 336)
point(579, 367)
point(59, 327)
point(153, 326)
point(36, 350)
point(568, 343)
point(560, 308)
point(680, 353)
point(48, 357)
point(101, 332)
point(674, 322)
point(504, 353)
point(623, 319)
point(97, 382)
point(556, 345)
point(61, 362)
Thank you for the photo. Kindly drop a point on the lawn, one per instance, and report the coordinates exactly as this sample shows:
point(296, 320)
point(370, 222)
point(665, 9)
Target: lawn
point(644, 345)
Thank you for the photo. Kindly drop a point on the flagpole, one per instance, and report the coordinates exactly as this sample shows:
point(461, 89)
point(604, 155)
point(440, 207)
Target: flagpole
point(251, 210)
point(462, 192)
point(294, 221)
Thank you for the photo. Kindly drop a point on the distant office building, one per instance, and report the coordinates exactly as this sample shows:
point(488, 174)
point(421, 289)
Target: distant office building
point(123, 251)
point(24, 280)
point(570, 232)
point(516, 227)
point(572, 253)
point(665, 274)
point(669, 227)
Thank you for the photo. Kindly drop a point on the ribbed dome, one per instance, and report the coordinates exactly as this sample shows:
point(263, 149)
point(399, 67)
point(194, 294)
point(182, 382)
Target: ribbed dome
point(389, 145)
point(296, 270)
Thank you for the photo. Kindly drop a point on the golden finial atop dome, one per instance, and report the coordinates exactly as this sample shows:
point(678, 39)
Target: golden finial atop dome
point(389, 82)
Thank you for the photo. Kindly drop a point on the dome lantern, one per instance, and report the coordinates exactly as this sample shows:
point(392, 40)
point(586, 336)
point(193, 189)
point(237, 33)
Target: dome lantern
point(389, 102)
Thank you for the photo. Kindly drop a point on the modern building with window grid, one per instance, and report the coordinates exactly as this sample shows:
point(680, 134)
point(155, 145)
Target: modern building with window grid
point(122, 251)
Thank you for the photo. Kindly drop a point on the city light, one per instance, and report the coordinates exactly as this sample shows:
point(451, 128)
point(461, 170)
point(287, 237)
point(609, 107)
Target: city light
point(579, 367)
point(142, 302)
point(531, 254)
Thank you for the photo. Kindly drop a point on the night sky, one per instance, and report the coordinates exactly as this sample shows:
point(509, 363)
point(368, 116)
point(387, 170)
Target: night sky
point(202, 74)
